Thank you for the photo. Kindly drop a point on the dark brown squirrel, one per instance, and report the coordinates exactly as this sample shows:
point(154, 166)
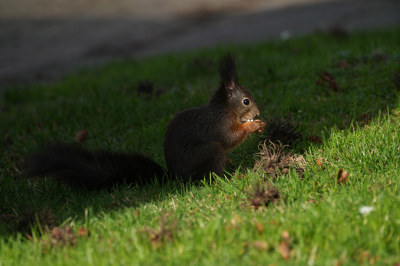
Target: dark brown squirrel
point(195, 144)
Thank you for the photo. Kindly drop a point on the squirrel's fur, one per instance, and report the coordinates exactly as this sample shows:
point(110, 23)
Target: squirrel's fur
point(195, 144)
point(78, 167)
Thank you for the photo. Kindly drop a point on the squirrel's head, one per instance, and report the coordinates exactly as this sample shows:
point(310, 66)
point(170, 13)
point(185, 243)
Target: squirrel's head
point(235, 96)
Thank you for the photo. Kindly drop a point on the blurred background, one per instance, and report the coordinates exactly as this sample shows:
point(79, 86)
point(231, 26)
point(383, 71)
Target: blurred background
point(41, 40)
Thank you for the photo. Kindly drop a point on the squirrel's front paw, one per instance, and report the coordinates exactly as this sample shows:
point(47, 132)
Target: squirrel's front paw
point(256, 126)
point(261, 126)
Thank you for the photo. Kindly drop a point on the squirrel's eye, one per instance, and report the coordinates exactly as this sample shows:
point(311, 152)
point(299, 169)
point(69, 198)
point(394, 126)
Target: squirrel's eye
point(246, 101)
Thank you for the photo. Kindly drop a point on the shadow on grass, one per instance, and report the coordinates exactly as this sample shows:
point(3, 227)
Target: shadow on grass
point(27, 199)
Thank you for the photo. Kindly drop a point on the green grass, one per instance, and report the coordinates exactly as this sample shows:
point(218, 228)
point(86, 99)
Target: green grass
point(214, 225)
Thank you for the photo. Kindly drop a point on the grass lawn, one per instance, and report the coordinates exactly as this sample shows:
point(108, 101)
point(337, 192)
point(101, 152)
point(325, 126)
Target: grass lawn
point(342, 90)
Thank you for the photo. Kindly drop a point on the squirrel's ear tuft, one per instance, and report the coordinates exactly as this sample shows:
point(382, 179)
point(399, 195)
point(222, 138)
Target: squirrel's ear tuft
point(227, 72)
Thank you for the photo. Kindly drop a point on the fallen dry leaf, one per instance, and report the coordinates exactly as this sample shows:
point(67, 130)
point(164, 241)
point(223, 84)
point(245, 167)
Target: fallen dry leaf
point(364, 256)
point(262, 195)
point(240, 176)
point(83, 232)
point(62, 236)
point(81, 135)
point(285, 235)
point(164, 234)
point(114, 202)
point(259, 227)
point(284, 246)
point(320, 162)
point(236, 220)
point(284, 249)
point(342, 176)
point(343, 64)
point(314, 139)
point(327, 80)
point(261, 245)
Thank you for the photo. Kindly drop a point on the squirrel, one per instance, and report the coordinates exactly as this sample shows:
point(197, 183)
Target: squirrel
point(195, 144)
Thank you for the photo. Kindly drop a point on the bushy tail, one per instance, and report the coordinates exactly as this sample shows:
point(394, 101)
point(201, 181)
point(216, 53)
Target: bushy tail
point(93, 169)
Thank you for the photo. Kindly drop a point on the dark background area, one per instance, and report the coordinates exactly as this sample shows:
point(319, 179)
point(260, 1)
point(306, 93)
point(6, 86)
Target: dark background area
point(41, 40)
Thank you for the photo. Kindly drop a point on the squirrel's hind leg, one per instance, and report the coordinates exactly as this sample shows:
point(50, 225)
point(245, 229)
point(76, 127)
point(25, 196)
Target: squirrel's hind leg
point(208, 157)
